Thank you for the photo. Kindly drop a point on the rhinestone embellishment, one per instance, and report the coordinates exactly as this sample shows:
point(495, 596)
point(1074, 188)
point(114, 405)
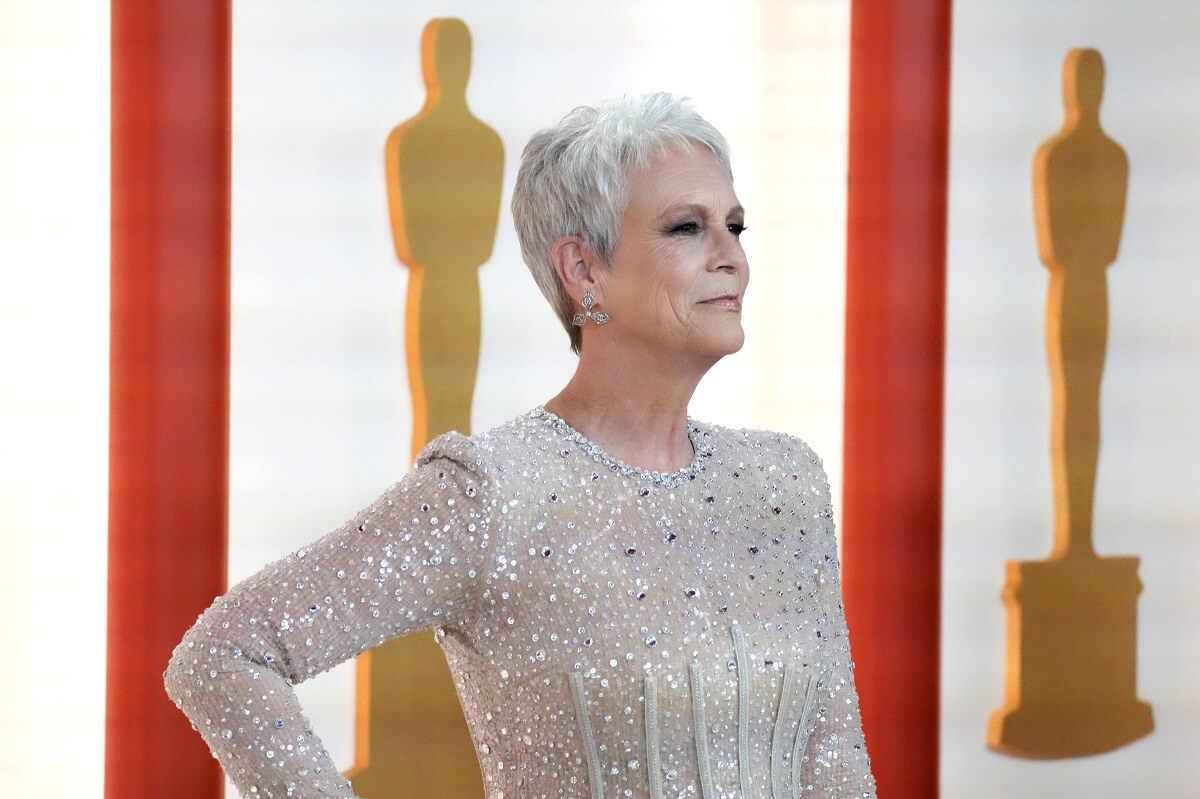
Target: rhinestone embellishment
point(597, 453)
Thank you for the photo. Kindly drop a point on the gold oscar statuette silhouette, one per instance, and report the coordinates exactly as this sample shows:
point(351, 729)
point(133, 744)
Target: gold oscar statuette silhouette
point(444, 178)
point(1071, 687)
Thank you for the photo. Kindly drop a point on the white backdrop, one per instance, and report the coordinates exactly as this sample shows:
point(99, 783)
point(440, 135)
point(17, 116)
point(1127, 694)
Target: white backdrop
point(1006, 100)
point(54, 223)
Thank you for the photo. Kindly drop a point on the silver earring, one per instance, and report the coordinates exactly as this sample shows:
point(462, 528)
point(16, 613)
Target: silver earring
point(599, 317)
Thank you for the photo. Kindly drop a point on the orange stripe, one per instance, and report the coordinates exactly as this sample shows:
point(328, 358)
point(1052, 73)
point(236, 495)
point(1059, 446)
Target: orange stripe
point(895, 297)
point(168, 449)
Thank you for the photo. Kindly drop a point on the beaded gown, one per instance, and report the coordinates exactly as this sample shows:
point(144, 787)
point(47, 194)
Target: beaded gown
point(612, 632)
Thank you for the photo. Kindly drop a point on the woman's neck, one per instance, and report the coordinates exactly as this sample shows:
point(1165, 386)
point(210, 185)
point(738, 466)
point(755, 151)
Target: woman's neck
point(637, 412)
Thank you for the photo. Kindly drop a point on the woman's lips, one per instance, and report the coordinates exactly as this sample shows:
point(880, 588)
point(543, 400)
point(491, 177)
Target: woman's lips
point(730, 301)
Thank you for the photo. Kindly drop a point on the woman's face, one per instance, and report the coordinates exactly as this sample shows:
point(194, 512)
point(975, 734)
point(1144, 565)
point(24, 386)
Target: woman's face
point(678, 271)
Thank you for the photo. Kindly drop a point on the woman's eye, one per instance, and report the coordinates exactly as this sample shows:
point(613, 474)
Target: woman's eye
point(736, 228)
point(685, 229)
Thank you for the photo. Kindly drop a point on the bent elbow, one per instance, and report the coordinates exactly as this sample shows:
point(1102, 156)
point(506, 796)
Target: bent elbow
point(182, 675)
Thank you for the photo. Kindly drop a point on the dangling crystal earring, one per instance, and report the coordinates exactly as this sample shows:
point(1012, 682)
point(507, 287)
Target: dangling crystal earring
point(599, 317)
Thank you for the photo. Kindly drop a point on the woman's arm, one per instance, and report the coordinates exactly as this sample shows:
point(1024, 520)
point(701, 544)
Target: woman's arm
point(407, 562)
point(835, 763)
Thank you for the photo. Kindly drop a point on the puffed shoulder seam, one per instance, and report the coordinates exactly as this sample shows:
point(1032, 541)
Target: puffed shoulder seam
point(452, 445)
point(464, 453)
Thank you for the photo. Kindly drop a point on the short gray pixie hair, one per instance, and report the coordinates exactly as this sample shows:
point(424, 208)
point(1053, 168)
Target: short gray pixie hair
point(574, 177)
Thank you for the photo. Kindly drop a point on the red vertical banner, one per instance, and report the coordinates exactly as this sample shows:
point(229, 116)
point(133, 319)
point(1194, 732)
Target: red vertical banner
point(895, 319)
point(168, 449)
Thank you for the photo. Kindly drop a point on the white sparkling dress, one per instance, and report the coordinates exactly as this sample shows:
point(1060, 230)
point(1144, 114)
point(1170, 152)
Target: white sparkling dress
point(612, 632)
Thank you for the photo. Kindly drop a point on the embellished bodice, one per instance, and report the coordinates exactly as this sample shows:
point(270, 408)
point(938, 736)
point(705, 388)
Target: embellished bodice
point(612, 632)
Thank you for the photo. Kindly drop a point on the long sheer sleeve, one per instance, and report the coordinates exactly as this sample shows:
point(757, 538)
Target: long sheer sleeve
point(407, 562)
point(835, 765)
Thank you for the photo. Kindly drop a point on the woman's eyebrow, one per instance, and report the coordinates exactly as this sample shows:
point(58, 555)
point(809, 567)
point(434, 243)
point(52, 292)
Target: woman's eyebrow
point(699, 209)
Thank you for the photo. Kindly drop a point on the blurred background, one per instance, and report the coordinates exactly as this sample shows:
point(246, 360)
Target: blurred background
point(319, 419)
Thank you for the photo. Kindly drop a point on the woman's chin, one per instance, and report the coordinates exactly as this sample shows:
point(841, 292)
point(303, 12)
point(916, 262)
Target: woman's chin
point(726, 342)
point(735, 336)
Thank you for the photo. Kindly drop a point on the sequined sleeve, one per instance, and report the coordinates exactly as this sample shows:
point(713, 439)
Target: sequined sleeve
point(835, 765)
point(407, 562)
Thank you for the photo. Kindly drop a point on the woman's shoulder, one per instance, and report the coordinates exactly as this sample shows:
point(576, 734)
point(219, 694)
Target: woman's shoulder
point(478, 451)
point(751, 441)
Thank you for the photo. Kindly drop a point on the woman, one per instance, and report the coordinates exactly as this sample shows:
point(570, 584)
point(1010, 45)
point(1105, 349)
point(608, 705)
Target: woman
point(632, 603)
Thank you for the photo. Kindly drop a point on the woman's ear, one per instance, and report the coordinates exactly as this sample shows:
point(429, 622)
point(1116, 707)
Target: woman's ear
point(575, 266)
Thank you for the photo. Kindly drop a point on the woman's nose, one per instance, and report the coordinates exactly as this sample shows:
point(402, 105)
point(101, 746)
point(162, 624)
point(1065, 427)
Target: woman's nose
point(729, 255)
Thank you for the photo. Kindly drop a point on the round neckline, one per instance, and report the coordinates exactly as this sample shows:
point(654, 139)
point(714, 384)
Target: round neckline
point(597, 453)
